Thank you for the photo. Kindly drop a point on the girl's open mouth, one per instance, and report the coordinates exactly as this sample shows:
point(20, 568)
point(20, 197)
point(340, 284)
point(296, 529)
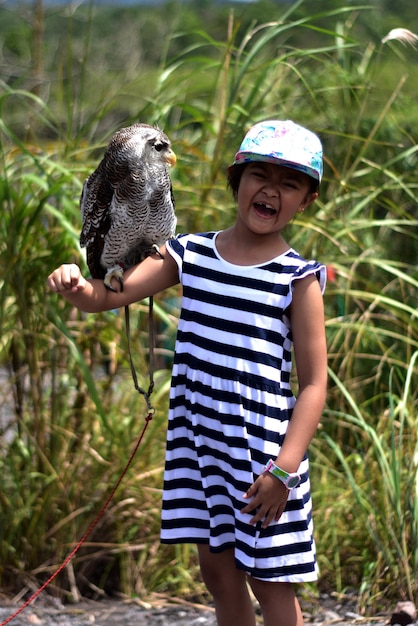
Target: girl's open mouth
point(264, 210)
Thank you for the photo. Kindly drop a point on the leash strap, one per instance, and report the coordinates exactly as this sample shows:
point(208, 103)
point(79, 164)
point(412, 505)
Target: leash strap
point(151, 334)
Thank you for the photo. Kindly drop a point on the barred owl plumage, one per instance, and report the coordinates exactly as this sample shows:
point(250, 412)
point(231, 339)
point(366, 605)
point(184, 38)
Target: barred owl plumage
point(127, 203)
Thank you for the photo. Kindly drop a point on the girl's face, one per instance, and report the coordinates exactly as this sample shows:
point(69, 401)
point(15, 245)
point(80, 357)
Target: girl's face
point(269, 196)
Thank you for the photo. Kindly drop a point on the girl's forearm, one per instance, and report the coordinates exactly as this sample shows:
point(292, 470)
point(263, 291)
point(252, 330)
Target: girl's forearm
point(302, 427)
point(153, 275)
point(93, 298)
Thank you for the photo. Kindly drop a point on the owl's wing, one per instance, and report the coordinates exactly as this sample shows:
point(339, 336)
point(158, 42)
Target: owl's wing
point(95, 201)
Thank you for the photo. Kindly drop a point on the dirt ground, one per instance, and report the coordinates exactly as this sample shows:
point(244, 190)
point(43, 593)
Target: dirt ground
point(47, 611)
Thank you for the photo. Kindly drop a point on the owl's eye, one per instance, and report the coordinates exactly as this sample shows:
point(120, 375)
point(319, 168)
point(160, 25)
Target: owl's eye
point(160, 146)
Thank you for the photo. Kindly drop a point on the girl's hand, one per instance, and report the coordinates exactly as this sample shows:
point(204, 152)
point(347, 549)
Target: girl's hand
point(269, 497)
point(67, 277)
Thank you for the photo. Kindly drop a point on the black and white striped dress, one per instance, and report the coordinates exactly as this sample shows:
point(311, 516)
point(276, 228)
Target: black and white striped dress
point(230, 405)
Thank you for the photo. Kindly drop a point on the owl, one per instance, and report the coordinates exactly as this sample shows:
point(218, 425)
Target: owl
point(127, 204)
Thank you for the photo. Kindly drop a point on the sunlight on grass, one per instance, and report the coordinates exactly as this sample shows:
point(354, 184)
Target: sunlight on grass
point(72, 414)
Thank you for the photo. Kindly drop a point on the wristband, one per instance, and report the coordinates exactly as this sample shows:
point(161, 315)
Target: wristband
point(290, 480)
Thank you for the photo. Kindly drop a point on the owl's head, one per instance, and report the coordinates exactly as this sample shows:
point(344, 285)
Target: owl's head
point(150, 144)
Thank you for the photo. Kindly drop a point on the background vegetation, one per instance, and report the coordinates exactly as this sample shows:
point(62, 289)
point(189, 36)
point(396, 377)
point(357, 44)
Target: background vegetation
point(69, 417)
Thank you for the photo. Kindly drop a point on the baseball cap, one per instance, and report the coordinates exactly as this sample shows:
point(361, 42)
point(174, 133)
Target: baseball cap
point(283, 143)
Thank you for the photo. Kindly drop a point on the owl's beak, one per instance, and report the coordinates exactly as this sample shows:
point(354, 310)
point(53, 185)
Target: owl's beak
point(170, 158)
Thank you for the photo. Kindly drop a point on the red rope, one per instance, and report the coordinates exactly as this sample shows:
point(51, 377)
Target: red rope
point(92, 525)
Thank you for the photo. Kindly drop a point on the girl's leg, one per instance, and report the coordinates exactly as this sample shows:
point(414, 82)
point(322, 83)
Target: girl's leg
point(278, 603)
point(228, 586)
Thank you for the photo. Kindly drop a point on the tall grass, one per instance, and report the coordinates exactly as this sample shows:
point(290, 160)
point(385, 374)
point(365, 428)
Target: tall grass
point(377, 459)
point(70, 413)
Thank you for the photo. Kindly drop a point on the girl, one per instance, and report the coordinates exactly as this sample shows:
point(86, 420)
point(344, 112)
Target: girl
point(236, 477)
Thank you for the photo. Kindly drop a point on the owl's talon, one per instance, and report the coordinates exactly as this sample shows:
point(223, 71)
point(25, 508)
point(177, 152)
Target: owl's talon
point(156, 249)
point(115, 272)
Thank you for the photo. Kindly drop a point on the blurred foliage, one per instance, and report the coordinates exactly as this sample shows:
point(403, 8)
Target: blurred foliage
point(69, 415)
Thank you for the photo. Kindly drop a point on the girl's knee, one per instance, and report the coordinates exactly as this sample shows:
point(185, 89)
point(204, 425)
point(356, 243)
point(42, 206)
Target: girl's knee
point(219, 572)
point(278, 602)
point(268, 592)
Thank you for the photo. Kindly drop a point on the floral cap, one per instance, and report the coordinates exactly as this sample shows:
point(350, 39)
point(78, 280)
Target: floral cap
point(283, 143)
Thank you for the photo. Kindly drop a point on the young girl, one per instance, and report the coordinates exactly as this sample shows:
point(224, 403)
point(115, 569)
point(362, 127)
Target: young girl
point(236, 477)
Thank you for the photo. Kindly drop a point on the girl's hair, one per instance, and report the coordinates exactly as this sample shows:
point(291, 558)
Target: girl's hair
point(234, 177)
point(235, 173)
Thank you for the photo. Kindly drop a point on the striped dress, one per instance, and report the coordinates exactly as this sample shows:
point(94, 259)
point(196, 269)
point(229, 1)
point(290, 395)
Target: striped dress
point(230, 405)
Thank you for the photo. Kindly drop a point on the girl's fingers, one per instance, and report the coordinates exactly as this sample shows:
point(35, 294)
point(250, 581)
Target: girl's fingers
point(66, 277)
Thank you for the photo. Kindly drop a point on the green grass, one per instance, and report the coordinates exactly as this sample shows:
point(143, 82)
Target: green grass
point(74, 414)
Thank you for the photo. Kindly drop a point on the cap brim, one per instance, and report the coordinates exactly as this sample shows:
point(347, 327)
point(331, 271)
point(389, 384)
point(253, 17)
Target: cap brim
point(254, 158)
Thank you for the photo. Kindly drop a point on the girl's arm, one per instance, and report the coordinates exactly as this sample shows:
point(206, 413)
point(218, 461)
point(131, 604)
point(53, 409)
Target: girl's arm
point(267, 494)
point(154, 274)
point(310, 352)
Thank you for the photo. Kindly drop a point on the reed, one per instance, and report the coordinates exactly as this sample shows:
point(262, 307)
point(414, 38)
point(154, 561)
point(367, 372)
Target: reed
point(70, 415)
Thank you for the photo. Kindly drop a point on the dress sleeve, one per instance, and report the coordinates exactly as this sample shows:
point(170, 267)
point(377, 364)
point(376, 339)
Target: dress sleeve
point(306, 269)
point(176, 248)
point(312, 267)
